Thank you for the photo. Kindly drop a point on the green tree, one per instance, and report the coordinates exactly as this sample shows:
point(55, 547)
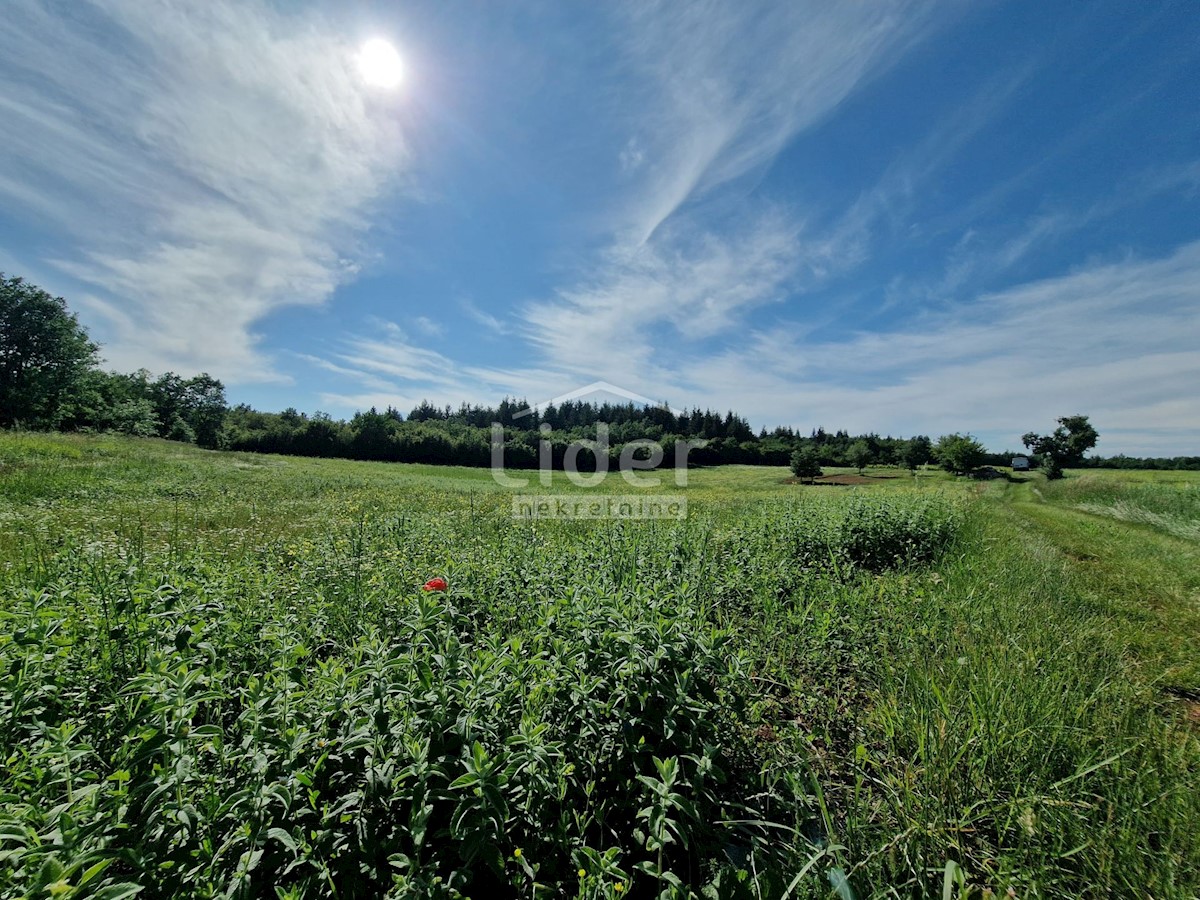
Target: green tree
point(805, 464)
point(916, 452)
point(206, 408)
point(189, 409)
point(959, 454)
point(1065, 446)
point(858, 455)
point(134, 416)
point(45, 357)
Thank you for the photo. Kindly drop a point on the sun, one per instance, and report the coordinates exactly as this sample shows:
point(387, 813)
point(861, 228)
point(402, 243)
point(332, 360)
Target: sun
point(379, 64)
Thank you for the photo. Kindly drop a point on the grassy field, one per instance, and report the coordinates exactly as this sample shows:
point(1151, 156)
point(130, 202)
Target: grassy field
point(221, 677)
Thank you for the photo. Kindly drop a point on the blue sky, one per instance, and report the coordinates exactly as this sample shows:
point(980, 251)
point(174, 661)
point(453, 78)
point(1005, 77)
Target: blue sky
point(890, 216)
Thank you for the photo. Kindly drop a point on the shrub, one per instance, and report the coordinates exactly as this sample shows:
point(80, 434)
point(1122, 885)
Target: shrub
point(959, 453)
point(879, 534)
point(432, 757)
point(804, 464)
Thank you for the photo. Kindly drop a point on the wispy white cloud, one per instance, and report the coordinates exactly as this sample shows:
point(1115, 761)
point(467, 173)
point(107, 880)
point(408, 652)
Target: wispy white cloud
point(979, 256)
point(632, 155)
point(1118, 340)
point(428, 326)
point(388, 367)
point(361, 377)
point(691, 287)
point(212, 162)
point(724, 87)
point(993, 250)
point(718, 90)
point(392, 353)
point(482, 317)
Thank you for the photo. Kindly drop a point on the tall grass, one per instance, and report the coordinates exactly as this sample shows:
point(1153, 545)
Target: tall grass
point(1172, 508)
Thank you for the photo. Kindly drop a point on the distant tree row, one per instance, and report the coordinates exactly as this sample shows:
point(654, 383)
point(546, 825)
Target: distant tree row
point(1165, 463)
point(456, 440)
point(574, 414)
point(50, 379)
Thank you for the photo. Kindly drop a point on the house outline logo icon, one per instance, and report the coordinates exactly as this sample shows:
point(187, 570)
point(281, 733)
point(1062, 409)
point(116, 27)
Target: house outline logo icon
point(568, 506)
point(598, 387)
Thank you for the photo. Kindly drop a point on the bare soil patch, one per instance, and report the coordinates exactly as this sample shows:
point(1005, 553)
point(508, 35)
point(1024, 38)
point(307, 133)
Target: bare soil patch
point(1190, 699)
point(854, 479)
point(842, 479)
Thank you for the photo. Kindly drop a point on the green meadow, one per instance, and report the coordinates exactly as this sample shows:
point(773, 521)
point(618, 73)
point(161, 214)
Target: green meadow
point(222, 677)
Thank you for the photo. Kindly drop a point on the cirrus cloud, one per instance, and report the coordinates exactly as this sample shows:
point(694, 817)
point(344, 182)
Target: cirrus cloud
point(212, 163)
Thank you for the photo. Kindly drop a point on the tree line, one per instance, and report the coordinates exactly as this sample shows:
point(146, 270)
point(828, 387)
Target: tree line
point(464, 437)
point(50, 378)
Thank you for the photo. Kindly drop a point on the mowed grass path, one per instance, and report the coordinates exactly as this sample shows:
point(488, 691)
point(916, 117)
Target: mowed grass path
point(1146, 579)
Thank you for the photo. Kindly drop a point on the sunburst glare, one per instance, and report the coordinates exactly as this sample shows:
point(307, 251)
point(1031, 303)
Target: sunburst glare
point(379, 64)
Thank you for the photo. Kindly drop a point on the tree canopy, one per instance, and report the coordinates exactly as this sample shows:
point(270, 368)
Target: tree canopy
point(50, 378)
point(805, 465)
point(916, 452)
point(1063, 447)
point(959, 454)
point(45, 357)
point(859, 455)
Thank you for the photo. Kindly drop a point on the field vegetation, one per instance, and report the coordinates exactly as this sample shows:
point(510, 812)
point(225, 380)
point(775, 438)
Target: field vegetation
point(1169, 504)
point(222, 677)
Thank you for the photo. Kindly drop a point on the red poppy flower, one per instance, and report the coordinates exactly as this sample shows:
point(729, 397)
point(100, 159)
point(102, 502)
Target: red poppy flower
point(435, 584)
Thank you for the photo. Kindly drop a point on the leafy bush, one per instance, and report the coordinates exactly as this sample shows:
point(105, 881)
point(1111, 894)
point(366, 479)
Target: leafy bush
point(959, 454)
point(869, 532)
point(804, 464)
point(135, 417)
point(431, 757)
point(879, 534)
